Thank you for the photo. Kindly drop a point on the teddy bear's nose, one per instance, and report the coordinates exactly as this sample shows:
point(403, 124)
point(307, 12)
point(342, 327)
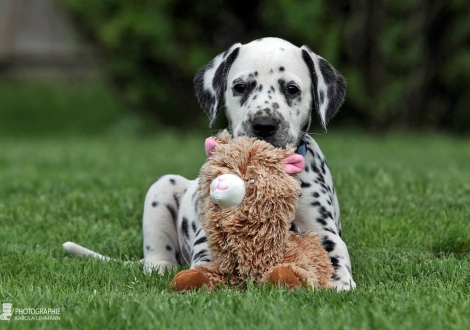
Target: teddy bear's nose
point(227, 190)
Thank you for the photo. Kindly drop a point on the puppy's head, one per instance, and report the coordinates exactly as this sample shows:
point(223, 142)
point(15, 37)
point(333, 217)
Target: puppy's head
point(269, 88)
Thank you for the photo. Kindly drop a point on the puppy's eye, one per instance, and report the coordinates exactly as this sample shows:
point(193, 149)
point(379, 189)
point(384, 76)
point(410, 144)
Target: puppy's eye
point(251, 181)
point(292, 89)
point(240, 88)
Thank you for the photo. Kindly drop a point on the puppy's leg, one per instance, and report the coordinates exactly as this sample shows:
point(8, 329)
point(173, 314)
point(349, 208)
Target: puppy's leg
point(318, 211)
point(161, 248)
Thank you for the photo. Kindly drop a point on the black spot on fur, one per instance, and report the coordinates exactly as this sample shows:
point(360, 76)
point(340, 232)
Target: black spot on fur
point(321, 221)
point(304, 184)
point(328, 244)
point(177, 201)
point(281, 69)
point(173, 181)
point(193, 225)
point(201, 240)
point(271, 71)
point(148, 248)
point(329, 230)
point(272, 89)
point(200, 254)
point(315, 194)
point(322, 97)
point(315, 167)
point(155, 204)
point(335, 262)
point(168, 248)
point(275, 105)
point(311, 151)
point(172, 211)
point(185, 227)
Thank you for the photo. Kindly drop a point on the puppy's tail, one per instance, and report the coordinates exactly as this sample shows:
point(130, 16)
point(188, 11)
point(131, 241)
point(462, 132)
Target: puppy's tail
point(80, 251)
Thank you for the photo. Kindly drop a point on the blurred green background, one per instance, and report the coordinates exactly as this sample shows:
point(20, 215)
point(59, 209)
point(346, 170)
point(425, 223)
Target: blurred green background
point(407, 63)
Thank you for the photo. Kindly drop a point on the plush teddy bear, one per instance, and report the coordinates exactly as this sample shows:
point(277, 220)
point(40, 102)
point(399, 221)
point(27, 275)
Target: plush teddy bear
point(248, 193)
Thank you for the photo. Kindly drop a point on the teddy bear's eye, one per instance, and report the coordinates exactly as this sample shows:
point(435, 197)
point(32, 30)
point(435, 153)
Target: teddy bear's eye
point(251, 180)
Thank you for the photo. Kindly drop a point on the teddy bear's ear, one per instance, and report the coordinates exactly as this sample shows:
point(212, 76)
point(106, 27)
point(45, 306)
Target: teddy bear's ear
point(210, 145)
point(294, 164)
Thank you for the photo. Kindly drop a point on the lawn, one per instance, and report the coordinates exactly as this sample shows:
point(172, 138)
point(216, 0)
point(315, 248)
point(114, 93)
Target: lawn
point(405, 209)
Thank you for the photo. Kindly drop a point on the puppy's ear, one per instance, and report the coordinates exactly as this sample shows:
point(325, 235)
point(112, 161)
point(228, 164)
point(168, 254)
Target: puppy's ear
point(328, 86)
point(211, 81)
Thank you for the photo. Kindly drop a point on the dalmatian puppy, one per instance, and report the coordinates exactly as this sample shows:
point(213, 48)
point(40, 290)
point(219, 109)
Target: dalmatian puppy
point(268, 89)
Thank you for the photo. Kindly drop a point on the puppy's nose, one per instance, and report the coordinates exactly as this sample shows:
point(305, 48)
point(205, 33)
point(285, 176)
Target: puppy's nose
point(265, 126)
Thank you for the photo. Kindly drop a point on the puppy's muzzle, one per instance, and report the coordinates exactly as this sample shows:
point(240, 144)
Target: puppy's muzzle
point(264, 127)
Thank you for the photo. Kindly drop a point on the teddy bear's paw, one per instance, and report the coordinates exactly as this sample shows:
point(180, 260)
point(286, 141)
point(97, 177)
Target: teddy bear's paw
point(284, 276)
point(187, 280)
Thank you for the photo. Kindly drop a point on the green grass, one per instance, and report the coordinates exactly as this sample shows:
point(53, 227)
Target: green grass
point(405, 205)
point(38, 108)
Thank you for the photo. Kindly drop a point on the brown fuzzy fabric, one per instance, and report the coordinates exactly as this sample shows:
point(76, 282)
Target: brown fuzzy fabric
point(252, 240)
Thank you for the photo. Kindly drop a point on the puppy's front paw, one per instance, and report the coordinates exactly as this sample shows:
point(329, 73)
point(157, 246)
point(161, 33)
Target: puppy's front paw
point(343, 283)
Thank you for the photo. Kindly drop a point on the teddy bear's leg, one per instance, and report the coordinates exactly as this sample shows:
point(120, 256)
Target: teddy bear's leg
point(190, 279)
point(283, 276)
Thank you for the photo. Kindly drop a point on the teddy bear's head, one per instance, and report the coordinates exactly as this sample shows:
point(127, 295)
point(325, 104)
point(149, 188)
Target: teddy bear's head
point(248, 181)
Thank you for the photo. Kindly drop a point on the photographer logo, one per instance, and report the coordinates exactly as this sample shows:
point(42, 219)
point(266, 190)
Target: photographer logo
point(6, 314)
